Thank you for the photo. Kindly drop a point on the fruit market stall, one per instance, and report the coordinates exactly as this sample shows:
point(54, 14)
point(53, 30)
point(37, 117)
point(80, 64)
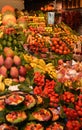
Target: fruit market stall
point(40, 79)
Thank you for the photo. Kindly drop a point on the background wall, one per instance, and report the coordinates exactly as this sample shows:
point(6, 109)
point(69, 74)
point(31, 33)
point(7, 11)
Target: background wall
point(15, 3)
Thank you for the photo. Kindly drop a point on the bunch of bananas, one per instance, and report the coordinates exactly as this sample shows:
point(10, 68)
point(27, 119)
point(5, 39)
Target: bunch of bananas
point(41, 65)
point(35, 62)
point(50, 69)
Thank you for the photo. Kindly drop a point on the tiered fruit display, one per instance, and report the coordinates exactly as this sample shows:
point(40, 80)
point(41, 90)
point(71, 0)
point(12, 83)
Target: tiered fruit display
point(66, 34)
point(39, 87)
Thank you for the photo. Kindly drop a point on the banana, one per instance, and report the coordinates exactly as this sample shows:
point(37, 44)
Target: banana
point(2, 86)
point(41, 65)
point(41, 62)
point(28, 58)
point(34, 65)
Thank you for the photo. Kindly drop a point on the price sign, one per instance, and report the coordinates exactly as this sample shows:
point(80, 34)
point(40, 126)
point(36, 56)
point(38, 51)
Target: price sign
point(51, 18)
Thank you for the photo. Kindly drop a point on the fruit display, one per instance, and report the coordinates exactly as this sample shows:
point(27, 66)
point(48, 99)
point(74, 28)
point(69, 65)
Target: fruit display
point(24, 118)
point(9, 64)
point(10, 37)
point(67, 34)
point(41, 65)
point(40, 81)
point(36, 21)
